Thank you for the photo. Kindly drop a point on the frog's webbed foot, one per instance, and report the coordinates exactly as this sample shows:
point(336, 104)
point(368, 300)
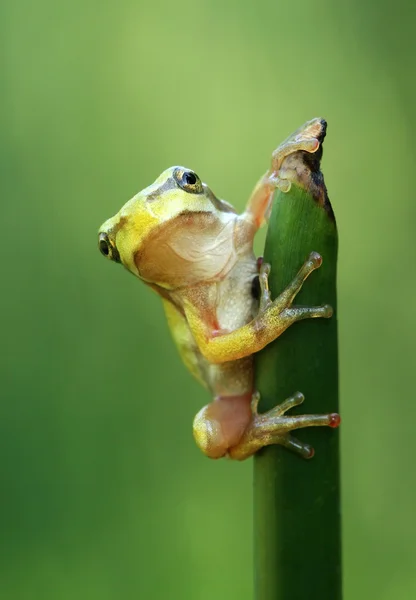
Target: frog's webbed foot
point(283, 303)
point(274, 427)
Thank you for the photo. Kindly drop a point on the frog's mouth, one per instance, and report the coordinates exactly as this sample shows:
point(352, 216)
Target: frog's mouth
point(108, 248)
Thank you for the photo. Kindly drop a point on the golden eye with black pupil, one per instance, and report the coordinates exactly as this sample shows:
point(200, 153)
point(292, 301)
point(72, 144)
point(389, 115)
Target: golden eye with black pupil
point(188, 181)
point(107, 249)
point(104, 249)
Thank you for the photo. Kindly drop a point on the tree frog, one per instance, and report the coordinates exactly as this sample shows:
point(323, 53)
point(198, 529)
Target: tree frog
point(196, 253)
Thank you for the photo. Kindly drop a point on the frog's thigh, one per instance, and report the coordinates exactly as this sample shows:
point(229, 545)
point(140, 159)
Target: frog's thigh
point(221, 424)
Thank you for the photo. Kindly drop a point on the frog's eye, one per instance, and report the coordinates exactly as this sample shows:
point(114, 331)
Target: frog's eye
point(108, 249)
point(188, 181)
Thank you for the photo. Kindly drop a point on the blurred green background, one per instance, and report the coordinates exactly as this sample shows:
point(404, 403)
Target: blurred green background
point(103, 492)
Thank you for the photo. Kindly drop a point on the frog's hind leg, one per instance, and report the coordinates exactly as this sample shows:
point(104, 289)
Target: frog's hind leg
point(274, 427)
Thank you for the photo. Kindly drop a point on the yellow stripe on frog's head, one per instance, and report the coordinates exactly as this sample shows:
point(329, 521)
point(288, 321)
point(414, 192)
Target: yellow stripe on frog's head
point(175, 191)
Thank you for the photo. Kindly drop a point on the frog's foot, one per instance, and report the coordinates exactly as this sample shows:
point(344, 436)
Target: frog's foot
point(273, 427)
point(283, 303)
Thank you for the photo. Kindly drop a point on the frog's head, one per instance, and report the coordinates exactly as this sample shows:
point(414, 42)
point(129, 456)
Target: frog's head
point(173, 233)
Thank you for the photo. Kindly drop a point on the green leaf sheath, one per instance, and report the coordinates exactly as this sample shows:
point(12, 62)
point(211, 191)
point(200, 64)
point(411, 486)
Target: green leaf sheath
point(297, 529)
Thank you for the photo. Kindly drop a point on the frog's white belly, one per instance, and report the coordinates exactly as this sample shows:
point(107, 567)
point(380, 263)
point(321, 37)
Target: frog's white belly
point(235, 307)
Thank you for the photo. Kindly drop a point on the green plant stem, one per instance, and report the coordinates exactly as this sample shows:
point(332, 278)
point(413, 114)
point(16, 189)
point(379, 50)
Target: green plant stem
point(297, 531)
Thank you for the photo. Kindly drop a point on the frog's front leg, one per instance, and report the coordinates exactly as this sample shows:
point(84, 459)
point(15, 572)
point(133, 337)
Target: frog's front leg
point(306, 138)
